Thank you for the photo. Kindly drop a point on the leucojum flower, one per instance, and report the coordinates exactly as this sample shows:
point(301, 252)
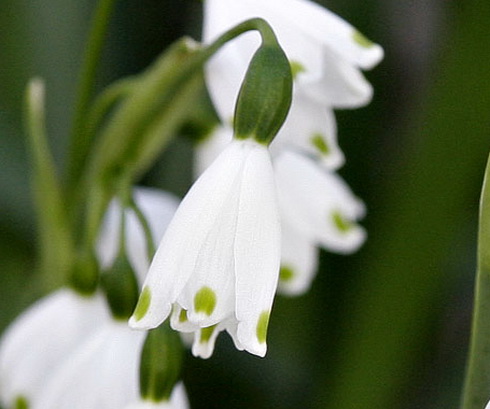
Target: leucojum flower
point(68, 350)
point(218, 263)
point(216, 268)
point(327, 55)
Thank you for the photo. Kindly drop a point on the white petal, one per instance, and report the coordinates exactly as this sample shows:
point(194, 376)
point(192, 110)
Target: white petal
point(322, 25)
point(42, 337)
point(204, 340)
point(299, 261)
point(343, 86)
point(319, 204)
point(310, 127)
point(257, 251)
point(326, 47)
point(208, 150)
point(102, 373)
point(157, 206)
point(179, 251)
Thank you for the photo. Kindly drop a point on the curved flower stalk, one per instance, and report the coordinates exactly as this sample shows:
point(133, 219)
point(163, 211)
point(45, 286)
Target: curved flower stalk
point(219, 259)
point(326, 53)
point(317, 209)
point(67, 343)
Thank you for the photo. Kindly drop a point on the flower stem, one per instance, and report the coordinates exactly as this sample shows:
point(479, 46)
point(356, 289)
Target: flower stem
point(476, 391)
point(80, 141)
point(55, 236)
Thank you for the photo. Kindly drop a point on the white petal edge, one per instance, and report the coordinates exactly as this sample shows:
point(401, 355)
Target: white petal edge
point(299, 257)
point(176, 257)
point(257, 250)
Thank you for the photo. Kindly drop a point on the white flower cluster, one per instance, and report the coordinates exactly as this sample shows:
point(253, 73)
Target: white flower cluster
point(67, 351)
point(219, 263)
point(253, 221)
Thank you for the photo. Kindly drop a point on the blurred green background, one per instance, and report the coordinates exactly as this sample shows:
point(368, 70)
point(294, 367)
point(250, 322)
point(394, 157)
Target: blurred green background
point(385, 328)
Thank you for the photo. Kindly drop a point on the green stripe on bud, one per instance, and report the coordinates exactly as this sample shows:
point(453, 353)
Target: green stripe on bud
point(161, 363)
point(265, 95)
point(120, 285)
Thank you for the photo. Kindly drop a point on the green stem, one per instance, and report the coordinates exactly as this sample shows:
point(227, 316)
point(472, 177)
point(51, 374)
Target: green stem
point(150, 243)
point(55, 237)
point(477, 383)
point(80, 142)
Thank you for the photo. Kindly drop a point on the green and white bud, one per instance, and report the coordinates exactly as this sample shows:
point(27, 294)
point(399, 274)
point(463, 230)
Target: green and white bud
point(161, 363)
point(121, 287)
point(265, 95)
point(85, 273)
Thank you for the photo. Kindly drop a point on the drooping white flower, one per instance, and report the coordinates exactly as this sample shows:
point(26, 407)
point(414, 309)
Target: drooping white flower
point(318, 204)
point(317, 209)
point(67, 343)
point(327, 55)
point(219, 259)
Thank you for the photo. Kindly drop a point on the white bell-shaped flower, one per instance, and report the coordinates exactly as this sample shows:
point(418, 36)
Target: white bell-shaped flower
point(219, 259)
point(326, 53)
point(318, 204)
point(313, 38)
point(305, 189)
point(66, 351)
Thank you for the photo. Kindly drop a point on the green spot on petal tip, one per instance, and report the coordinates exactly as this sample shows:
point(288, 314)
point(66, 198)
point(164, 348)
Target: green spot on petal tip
point(183, 316)
point(206, 334)
point(319, 142)
point(286, 274)
point(296, 68)
point(143, 304)
point(341, 223)
point(205, 301)
point(361, 39)
point(262, 325)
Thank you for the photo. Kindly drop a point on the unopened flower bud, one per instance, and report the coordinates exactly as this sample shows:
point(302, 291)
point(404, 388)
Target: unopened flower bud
point(265, 95)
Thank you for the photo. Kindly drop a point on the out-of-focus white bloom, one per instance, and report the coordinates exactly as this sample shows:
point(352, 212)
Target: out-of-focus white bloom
point(158, 207)
point(318, 204)
point(326, 53)
point(317, 209)
point(66, 351)
point(102, 373)
point(219, 259)
point(42, 338)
